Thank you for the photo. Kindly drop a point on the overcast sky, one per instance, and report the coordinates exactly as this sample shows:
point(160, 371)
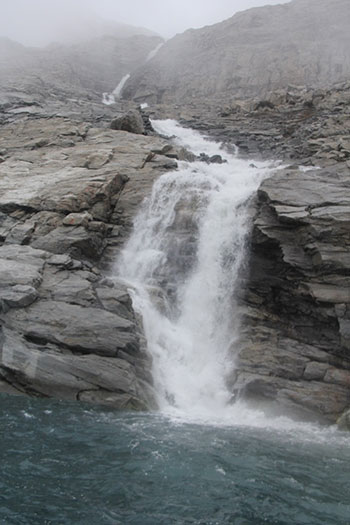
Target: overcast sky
point(37, 22)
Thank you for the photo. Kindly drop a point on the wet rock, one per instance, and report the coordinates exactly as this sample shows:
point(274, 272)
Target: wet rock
point(117, 300)
point(83, 330)
point(90, 378)
point(296, 343)
point(216, 159)
point(77, 242)
point(64, 333)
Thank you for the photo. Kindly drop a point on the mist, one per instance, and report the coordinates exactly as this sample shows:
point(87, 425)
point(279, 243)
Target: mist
point(40, 22)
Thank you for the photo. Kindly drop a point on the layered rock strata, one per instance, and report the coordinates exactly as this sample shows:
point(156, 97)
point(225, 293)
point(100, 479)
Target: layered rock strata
point(296, 328)
point(68, 193)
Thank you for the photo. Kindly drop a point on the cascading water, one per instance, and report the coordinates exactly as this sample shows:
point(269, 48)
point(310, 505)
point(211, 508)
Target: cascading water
point(154, 51)
point(183, 262)
point(119, 89)
point(110, 98)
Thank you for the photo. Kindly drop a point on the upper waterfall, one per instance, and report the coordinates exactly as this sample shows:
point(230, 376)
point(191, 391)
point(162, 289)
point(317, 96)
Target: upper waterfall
point(109, 98)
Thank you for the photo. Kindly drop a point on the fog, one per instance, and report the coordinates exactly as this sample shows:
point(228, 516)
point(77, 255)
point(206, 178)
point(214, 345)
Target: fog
point(39, 22)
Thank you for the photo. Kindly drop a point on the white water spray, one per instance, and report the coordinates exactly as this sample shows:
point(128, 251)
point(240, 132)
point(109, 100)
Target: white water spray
point(183, 263)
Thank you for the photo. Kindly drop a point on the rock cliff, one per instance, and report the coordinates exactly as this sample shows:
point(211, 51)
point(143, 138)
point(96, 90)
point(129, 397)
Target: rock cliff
point(304, 42)
point(68, 194)
point(296, 344)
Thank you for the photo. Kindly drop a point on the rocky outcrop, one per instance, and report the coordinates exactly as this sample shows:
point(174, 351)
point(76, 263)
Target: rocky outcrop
point(304, 42)
point(296, 344)
point(68, 195)
point(58, 339)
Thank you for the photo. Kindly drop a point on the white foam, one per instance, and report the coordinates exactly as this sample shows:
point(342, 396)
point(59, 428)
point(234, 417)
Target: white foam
point(108, 99)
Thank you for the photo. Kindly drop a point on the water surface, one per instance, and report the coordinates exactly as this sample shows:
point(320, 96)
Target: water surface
point(66, 463)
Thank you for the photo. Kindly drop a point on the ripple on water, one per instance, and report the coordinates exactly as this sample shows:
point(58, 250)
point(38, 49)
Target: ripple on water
point(76, 465)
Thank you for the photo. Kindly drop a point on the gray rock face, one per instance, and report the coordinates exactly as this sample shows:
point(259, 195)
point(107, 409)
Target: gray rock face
point(296, 346)
point(303, 42)
point(58, 340)
point(66, 330)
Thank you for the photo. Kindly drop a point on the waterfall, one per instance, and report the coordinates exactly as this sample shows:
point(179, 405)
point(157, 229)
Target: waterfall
point(119, 89)
point(183, 263)
point(110, 98)
point(154, 51)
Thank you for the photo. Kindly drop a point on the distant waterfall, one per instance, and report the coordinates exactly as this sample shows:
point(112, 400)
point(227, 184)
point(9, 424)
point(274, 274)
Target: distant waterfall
point(119, 89)
point(154, 51)
point(110, 98)
point(183, 262)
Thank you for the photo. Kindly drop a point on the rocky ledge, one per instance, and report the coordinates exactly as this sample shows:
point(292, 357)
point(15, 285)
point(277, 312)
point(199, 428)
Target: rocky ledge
point(68, 193)
point(296, 322)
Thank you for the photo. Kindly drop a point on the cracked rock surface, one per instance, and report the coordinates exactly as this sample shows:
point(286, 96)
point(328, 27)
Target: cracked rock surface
point(68, 193)
point(295, 347)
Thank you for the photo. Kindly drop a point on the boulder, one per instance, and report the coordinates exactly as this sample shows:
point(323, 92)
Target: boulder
point(131, 122)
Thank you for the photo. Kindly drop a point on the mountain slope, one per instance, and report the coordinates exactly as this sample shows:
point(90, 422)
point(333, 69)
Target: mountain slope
point(304, 42)
point(85, 69)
